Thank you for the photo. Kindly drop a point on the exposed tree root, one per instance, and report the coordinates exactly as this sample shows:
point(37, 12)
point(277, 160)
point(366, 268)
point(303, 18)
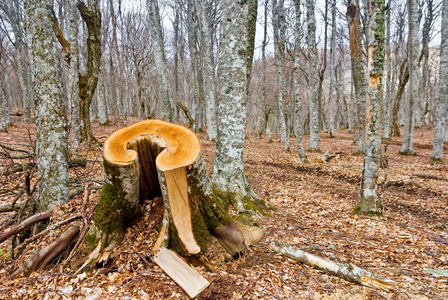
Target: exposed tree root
point(44, 256)
point(25, 224)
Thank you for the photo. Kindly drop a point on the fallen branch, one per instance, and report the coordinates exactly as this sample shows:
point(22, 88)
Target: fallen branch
point(48, 229)
point(16, 149)
point(25, 224)
point(430, 177)
point(44, 256)
point(345, 271)
point(17, 168)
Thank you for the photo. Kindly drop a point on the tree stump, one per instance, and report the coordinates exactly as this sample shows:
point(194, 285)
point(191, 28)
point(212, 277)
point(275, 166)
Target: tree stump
point(153, 158)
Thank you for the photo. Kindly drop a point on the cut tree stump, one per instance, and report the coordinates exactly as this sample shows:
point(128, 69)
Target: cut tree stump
point(153, 158)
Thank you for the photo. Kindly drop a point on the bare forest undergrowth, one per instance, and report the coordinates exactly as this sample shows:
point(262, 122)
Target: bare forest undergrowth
point(314, 204)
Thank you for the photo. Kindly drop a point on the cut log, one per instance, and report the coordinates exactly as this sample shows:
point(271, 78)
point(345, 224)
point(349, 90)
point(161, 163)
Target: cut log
point(153, 158)
point(345, 271)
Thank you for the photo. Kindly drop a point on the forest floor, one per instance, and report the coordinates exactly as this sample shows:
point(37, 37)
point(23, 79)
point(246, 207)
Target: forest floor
point(314, 202)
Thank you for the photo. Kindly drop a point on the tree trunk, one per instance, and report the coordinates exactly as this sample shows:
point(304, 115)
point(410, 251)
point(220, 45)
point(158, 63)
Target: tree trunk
point(263, 116)
point(441, 130)
point(160, 61)
point(279, 41)
point(402, 82)
point(313, 77)
point(387, 100)
point(297, 96)
point(407, 147)
point(88, 81)
point(228, 174)
point(369, 203)
point(195, 94)
point(102, 104)
point(51, 128)
point(358, 70)
point(332, 105)
point(4, 108)
point(73, 75)
point(209, 72)
point(153, 158)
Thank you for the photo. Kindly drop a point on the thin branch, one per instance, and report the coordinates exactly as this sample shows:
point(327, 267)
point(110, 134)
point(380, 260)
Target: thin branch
point(25, 224)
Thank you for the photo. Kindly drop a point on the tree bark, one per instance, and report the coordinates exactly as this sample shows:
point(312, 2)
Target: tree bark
point(160, 60)
point(407, 147)
point(51, 128)
point(358, 70)
point(369, 203)
point(88, 81)
point(228, 174)
point(279, 44)
point(73, 74)
point(442, 105)
point(4, 108)
point(313, 77)
point(297, 97)
point(331, 99)
point(208, 72)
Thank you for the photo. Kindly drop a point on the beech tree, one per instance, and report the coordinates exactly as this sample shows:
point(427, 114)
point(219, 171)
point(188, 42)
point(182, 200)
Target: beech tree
point(4, 108)
point(279, 24)
point(313, 76)
point(369, 203)
point(209, 70)
point(297, 96)
point(442, 105)
point(160, 60)
point(51, 127)
point(228, 174)
point(407, 146)
point(358, 68)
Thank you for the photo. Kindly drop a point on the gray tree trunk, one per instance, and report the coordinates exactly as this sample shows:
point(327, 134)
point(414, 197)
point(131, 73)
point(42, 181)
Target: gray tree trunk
point(263, 118)
point(208, 71)
point(228, 173)
point(313, 76)
point(73, 76)
point(195, 95)
point(388, 84)
point(369, 203)
point(160, 61)
point(102, 104)
point(4, 108)
point(441, 131)
point(51, 129)
point(279, 46)
point(407, 146)
point(358, 70)
point(297, 96)
point(331, 98)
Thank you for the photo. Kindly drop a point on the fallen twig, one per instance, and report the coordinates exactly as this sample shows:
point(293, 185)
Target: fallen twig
point(25, 224)
point(430, 177)
point(345, 271)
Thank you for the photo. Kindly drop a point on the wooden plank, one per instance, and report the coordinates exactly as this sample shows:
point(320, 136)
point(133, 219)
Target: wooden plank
point(187, 277)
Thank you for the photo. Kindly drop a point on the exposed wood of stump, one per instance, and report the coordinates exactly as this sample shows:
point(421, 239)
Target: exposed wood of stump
point(154, 158)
